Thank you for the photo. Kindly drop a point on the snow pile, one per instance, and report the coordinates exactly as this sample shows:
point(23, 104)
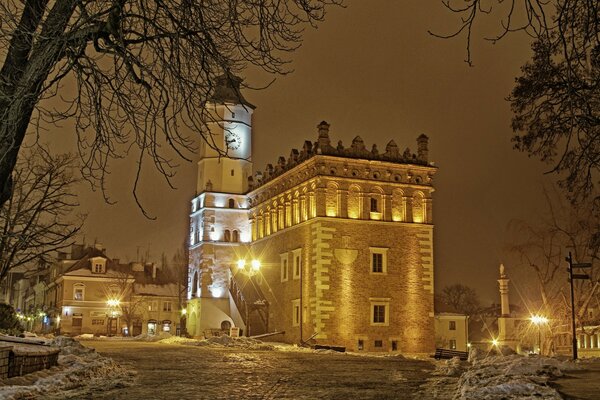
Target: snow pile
point(238, 342)
point(153, 338)
point(177, 340)
point(511, 377)
point(452, 367)
point(80, 371)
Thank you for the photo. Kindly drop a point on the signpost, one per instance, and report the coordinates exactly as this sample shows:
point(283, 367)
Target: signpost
point(573, 276)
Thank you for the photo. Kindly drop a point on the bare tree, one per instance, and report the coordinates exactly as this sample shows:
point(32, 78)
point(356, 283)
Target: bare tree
point(38, 217)
point(142, 69)
point(556, 100)
point(460, 298)
point(541, 248)
point(130, 305)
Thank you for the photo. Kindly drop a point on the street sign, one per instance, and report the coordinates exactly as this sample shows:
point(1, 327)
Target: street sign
point(582, 265)
point(581, 276)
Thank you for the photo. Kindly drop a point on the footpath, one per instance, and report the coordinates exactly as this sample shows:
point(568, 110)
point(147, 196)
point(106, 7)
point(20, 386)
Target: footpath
point(581, 385)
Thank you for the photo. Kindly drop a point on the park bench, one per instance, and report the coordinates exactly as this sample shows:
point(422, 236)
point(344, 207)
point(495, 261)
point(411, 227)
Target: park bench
point(448, 354)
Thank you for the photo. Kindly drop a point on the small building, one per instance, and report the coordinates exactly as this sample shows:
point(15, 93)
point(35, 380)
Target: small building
point(452, 331)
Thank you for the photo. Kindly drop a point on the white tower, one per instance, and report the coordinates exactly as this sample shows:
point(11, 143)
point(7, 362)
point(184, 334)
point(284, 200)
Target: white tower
point(225, 161)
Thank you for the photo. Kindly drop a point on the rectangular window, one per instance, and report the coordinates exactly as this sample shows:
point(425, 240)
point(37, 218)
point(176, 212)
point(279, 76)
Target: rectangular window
point(378, 260)
point(379, 314)
point(166, 306)
point(361, 344)
point(77, 322)
point(97, 322)
point(452, 325)
point(297, 254)
point(452, 344)
point(374, 205)
point(284, 267)
point(380, 311)
point(296, 312)
point(394, 345)
point(78, 294)
point(378, 344)
point(153, 306)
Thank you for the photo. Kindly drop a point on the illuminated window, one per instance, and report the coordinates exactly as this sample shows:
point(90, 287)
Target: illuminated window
point(296, 312)
point(378, 260)
point(97, 322)
point(284, 267)
point(452, 344)
point(452, 325)
point(153, 306)
point(380, 311)
point(79, 292)
point(297, 257)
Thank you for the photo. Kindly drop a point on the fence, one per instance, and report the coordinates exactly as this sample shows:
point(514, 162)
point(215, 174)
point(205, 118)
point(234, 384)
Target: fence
point(18, 363)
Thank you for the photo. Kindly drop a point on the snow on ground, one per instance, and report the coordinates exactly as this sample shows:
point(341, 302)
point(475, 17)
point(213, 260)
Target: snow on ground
point(80, 370)
point(511, 377)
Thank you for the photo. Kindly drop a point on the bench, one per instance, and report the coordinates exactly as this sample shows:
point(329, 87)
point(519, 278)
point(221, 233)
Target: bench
point(448, 354)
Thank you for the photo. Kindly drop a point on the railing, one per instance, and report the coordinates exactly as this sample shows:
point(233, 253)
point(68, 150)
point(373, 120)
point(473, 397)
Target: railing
point(260, 306)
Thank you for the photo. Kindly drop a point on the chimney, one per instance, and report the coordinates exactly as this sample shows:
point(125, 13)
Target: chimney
point(422, 148)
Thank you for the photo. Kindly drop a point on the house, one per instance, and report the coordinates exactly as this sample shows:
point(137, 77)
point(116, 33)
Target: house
point(332, 244)
point(88, 292)
point(452, 331)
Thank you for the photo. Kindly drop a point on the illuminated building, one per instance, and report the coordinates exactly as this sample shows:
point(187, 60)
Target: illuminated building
point(344, 235)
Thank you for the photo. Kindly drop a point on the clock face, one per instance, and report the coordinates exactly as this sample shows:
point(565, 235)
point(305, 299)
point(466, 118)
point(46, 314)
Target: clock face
point(232, 140)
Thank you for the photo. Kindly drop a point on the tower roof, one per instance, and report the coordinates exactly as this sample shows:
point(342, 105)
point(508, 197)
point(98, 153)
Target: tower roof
point(227, 90)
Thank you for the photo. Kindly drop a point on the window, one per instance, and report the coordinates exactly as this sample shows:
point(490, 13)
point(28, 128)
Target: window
point(232, 172)
point(379, 314)
point(452, 344)
point(97, 322)
point(378, 260)
point(284, 267)
point(235, 236)
point(77, 321)
point(153, 306)
point(166, 306)
point(231, 202)
point(374, 205)
point(378, 343)
point(361, 344)
point(297, 254)
point(452, 325)
point(380, 311)
point(98, 268)
point(79, 292)
point(394, 345)
point(98, 265)
point(227, 236)
point(296, 312)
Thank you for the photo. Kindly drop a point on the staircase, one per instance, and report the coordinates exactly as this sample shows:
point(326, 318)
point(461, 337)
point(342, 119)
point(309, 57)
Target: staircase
point(251, 303)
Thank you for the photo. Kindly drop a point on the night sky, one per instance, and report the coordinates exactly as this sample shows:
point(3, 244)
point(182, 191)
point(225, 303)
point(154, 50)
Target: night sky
point(372, 70)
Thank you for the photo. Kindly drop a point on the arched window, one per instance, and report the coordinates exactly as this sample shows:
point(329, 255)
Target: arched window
point(235, 236)
point(376, 203)
point(418, 208)
point(227, 236)
point(231, 203)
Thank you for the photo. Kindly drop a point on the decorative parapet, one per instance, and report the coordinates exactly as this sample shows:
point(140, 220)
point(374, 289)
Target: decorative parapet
point(357, 150)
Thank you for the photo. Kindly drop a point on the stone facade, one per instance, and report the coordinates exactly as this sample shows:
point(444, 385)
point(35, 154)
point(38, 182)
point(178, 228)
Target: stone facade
point(345, 241)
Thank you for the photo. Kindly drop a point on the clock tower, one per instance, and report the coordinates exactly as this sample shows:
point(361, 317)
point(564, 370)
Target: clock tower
point(225, 161)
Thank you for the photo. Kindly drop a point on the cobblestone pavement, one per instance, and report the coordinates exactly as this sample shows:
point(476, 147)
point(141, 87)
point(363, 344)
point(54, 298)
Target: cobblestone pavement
point(189, 372)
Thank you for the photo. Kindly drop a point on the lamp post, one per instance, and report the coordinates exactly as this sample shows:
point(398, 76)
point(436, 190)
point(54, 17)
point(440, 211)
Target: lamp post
point(249, 270)
point(539, 320)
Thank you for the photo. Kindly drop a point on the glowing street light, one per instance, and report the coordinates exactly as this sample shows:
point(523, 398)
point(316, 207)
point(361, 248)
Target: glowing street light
point(251, 270)
point(539, 320)
point(113, 302)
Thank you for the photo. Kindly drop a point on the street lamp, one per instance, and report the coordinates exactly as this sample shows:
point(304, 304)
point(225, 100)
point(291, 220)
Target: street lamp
point(250, 270)
point(539, 320)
